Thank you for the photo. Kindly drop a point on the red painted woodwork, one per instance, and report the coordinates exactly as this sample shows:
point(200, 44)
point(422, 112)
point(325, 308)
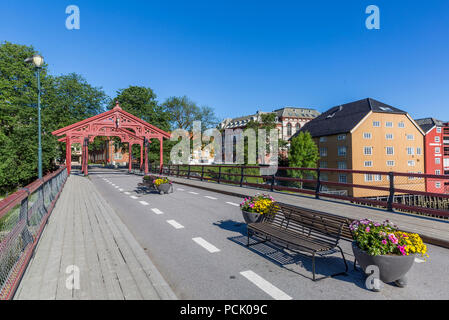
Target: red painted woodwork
point(112, 123)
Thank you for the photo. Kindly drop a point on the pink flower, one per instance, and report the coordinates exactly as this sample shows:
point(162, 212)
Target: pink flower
point(393, 238)
point(384, 242)
point(367, 229)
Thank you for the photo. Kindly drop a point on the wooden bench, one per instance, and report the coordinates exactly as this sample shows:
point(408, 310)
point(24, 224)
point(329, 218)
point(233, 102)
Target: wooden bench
point(303, 229)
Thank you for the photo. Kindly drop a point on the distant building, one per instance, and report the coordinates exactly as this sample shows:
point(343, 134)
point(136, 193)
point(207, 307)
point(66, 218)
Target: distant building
point(368, 135)
point(289, 120)
point(436, 145)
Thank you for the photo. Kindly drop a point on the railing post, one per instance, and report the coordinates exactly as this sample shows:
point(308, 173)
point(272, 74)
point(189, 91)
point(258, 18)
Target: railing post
point(219, 173)
point(202, 173)
point(391, 196)
point(188, 172)
point(169, 169)
point(318, 184)
point(177, 174)
point(273, 178)
point(241, 175)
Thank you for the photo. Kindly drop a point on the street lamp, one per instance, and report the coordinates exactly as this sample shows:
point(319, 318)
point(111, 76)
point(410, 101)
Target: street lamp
point(38, 61)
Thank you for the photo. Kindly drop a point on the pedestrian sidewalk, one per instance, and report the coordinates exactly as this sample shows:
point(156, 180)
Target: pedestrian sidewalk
point(84, 233)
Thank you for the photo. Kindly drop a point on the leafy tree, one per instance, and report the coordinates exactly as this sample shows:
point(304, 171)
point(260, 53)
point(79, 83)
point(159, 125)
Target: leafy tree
point(303, 154)
point(183, 112)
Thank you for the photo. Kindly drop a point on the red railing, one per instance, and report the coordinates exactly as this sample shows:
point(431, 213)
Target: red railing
point(391, 190)
point(22, 219)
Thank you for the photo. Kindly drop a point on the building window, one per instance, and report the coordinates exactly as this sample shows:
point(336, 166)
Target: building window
point(438, 172)
point(323, 164)
point(389, 136)
point(342, 165)
point(118, 156)
point(367, 151)
point(437, 139)
point(368, 177)
point(289, 129)
point(341, 137)
point(323, 152)
point(437, 160)
point(342, 151)
point(376, 123)
point(418, 151)
point(438, 129)
point(437, 150)
point(389, 124)
point(411, 163)
point(410, 151)
point(390, 150)
point(377, 177)
point(297, 126)
point(401, 125)
point(438, 185)
point(368, 164)
point(390, 163)
point(324, 177)
point(323, 139)
point(410, 137)
point(342, 178)
point(367, 135)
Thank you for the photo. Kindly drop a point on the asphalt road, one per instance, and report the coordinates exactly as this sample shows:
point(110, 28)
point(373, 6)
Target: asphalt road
point(197, 238)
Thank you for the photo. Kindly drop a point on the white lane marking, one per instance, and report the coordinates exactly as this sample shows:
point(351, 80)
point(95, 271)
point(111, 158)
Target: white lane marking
point(156, 211)
point(419, 260)
point(180, 189)
point(265, 285)
point(144, 203)
point(209, 197)
point(206, 245)
point(121, 190)
point(134, 197)
point(117, 187)
point(127, 193)
point(193, 192)
point(175, 224)
point(233, 204)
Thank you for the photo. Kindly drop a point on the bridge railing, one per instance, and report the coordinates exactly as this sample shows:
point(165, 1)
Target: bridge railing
point(424, 194)
point(23, 216)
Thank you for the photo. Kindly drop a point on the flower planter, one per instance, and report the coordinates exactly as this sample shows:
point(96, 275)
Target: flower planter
point(251, 217)
point(392, 268)
point(165, 188)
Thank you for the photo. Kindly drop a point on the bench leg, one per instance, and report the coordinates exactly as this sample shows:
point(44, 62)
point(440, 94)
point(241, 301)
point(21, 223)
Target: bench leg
point(333, 275)
point(313, 266)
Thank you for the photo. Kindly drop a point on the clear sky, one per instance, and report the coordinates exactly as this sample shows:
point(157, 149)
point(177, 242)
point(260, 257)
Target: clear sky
point(242, 56)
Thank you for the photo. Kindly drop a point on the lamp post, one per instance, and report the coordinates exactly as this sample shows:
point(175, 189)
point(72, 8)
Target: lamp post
point(38, 61)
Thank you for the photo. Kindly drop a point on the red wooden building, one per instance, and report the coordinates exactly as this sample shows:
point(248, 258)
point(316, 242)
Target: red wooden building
point(436, 145)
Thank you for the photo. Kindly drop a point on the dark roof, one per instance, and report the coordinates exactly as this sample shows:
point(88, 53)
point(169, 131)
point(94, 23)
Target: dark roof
point(428, 123)
point(343, 118)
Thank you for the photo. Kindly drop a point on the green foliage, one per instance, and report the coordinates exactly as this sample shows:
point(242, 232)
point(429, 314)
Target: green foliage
point(183, 112)
point(303, 154)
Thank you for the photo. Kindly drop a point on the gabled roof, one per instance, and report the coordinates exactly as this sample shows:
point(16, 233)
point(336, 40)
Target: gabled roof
point(343, 118)
point(428, 123)
point(297, 112)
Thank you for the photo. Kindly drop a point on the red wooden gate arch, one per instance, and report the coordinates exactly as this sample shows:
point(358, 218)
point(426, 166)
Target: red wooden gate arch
point(112, 123)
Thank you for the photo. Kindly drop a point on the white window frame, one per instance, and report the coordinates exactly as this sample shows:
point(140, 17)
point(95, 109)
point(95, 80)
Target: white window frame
point(389, 148)
point(341, 137)
point(438, 129)
point(418, 151)
point(341, 148)
point(437, 139)
point(323, 154)
point(388, 135)
point(410, 137)
point(391, 163)
point(368, 164)
point(438, 185)
point(437, 150)
point(369, 177)
point(389, 124)
point(411, 163)
point(410, 151)
point(376, 124)
point(437, 160)
point(367, 135)
point(401, 124)
point(370, 153)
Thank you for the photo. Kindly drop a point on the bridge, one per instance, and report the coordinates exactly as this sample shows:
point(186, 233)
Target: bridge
point(95, 233)
point(129, 243)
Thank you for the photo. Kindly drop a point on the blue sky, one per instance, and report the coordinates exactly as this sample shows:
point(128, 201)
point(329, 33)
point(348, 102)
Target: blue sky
point(241, 56)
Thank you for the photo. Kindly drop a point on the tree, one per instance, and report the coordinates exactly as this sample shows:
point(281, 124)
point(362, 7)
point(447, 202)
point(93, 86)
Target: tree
point(303, 154)
point(183, 112)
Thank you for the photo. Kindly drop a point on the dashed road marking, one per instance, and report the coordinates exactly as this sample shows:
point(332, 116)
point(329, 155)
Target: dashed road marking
point(180, 189)
point(144, 203)
point(117, 187)
point(156, 211)
point(193, 192)
point(121, 190)
point(206, 245)
point(209, 197)
point(134, 197)
point(127, 193)
point(175, 224)
point(267, 287)
point(233, 204)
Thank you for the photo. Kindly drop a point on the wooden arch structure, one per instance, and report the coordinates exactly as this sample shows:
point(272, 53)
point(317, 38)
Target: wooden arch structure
point(113, 123)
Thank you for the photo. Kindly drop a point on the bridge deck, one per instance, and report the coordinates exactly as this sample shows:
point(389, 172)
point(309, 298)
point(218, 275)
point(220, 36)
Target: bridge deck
point(435, 231)
point(84, 231)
